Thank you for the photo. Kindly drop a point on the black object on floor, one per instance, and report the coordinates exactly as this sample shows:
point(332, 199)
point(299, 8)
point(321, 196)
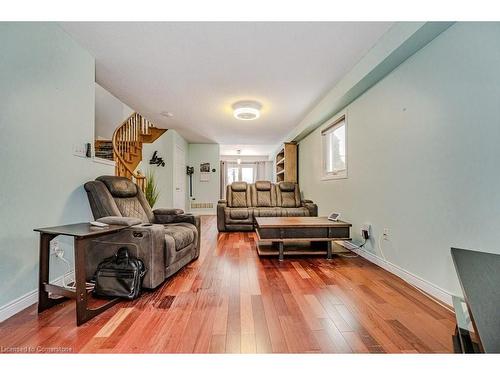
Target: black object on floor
point(119, 276)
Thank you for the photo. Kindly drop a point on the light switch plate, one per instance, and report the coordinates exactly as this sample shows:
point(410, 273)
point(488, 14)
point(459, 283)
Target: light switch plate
point(79, 150)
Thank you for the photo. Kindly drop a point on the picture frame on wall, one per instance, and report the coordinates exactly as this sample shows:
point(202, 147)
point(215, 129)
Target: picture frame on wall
point(204, 167)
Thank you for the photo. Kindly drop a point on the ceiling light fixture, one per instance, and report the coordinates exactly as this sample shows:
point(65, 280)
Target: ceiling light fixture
point(167, 114)
point(247, 110)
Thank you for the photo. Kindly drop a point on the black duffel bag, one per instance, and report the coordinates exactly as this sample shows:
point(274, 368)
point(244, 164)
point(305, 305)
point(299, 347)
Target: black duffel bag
point(119, 276)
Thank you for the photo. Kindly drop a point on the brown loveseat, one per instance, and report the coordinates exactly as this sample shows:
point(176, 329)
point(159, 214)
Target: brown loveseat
point(244, 202)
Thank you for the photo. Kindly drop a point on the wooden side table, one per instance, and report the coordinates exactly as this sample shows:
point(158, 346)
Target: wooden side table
point(82, 234)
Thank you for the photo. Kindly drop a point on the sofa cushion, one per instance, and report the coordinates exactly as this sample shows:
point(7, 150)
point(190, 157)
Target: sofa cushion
point(119, 187)
point(267, 212)
point(263, 194)
point(263, 185)
point(239, 186)
point(239, 199)
point(295, 211)
point(262, 199)
point(238, 194)
point(239, 214)
point(288, 199)
point(288, 195)
point(287, 186)
point(183, 234)
point(132, 207)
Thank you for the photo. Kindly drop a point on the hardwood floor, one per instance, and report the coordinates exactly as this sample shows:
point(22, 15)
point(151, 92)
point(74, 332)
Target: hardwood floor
point(232, 301)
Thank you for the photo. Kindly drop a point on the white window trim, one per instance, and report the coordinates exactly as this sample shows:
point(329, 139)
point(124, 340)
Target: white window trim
point(341, 174)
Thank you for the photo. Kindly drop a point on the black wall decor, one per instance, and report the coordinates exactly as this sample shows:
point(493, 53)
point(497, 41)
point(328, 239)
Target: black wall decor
point(155, 160)
point(189, 172)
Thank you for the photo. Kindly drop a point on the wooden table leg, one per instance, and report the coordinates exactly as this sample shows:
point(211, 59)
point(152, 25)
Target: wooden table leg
point(83, 313)
point(329, 250)
point(281, 250)
point(44, 301)
point(80, 281)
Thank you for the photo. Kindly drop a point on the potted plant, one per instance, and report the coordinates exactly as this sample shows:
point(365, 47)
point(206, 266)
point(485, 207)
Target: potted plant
point(151, 192)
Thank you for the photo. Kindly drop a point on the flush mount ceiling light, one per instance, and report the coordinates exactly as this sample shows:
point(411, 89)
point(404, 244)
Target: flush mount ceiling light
point(167, 114)
point(246, 110)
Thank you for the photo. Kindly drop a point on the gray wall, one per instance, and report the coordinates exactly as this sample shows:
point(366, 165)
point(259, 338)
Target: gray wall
point(165, 145)
point(46, 107)
point(423, 152)
point(110, 113)
point(205, 192)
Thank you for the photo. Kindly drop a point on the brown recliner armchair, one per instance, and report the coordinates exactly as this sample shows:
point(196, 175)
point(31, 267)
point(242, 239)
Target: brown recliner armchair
point(165, 239)
point(244, 202)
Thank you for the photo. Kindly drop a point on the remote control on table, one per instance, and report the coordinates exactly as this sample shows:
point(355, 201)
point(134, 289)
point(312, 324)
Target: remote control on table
point(98, 224)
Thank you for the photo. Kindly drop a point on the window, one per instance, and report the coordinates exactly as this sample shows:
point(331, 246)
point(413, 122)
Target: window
point(241, 172)
point(335, 150)
point(247, 174)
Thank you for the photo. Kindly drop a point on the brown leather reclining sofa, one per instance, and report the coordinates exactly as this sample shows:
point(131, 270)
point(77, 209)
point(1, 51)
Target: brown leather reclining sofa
point(165, 239)
point(244, 202)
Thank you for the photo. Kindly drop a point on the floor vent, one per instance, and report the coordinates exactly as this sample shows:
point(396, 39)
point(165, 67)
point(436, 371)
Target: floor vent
point(202, 205)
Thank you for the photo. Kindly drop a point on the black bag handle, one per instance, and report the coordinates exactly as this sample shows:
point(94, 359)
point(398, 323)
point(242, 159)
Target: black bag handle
point(122, 255)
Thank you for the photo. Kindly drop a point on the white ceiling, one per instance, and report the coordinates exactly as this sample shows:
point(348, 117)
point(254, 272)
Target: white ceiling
point(197, 70)
point(246, 149)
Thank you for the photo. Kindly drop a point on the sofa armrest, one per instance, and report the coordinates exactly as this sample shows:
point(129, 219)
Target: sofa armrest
point(311, 207)
point(146, 242)
point(168, 211)
point(174, 218)
point(221, 222)
point(119, 220)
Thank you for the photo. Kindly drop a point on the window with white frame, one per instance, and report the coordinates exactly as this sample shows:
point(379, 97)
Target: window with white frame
point(334, 149)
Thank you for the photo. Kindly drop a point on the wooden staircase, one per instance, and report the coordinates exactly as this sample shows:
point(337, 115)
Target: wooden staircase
point(127, 146)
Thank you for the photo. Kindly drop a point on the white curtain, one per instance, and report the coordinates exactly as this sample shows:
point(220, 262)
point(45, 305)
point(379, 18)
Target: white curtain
point(223, 180)
point(260, 171)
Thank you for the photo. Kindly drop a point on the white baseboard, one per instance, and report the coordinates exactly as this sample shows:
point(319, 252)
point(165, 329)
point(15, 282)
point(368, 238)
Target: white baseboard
point(424, 285)
point(19, 304)
point(203, 211)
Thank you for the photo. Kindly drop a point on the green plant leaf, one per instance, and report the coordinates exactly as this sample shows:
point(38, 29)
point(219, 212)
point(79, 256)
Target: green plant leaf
point(151, 191)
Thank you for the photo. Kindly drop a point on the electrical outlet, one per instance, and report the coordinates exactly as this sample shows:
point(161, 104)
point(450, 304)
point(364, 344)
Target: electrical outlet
point(59, 252)
point(365, 231)
point(56, 249)
point(79, 150)
point(54, 245)
point(386, 233)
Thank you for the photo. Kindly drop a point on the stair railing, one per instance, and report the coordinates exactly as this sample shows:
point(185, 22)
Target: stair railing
point(127, 139)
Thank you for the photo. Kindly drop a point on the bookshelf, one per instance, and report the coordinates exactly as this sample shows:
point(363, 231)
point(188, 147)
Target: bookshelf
point(286, 163)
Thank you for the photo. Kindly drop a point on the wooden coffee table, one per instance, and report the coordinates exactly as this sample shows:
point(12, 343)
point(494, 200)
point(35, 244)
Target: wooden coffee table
point(313, 230)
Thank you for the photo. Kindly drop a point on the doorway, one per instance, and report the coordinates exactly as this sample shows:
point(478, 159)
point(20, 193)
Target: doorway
point(179, 198)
